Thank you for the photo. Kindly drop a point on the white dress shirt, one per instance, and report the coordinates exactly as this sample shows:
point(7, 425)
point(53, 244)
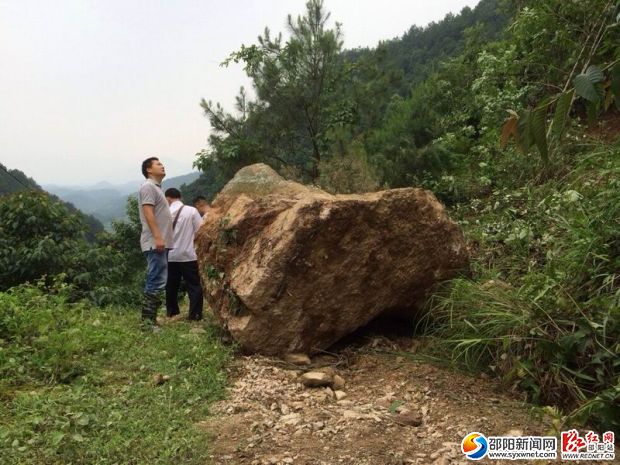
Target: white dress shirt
point(188, 223)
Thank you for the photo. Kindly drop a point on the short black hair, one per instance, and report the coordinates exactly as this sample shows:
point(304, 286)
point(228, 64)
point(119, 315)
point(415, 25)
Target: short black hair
point(199, 198)
point(146, 164)
point(173, 193)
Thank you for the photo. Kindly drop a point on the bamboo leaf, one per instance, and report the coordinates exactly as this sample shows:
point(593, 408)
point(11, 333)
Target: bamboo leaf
point(524, 137)
point(538, 127)
point(509, 130)
point(562, 110)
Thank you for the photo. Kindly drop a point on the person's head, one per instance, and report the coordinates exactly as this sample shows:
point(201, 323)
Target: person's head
point(173, 194)
point(153, 168)
point(201, 204)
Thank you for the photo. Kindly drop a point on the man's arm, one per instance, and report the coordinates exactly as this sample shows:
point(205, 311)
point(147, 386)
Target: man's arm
point(149, 216)
point(196, 220)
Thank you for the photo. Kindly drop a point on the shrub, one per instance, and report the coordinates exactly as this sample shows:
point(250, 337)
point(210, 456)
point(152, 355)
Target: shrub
point(38, 236)
point(41, 238)
point(543, 311)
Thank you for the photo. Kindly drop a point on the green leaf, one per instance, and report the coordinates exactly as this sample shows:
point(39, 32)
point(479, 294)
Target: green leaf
point(585, 84)
point(595, 74)
point(538, 127)
point(524, 137)
point(394, 405)
point(57, 436)
point(579, 374)
point(560, 116)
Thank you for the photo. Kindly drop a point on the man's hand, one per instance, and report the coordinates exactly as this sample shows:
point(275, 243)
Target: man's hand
point(160, 244)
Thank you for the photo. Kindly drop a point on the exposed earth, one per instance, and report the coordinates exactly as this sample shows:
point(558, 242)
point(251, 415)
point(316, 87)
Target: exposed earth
point(392, 410)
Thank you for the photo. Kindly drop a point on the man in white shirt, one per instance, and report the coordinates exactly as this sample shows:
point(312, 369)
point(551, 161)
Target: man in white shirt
point(182, 260)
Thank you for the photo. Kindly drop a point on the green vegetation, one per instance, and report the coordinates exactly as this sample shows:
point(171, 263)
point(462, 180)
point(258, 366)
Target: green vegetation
point(77, 383)
point(12, 181)
point(15, 181)
point(541, 310)
point(501, 111)
point(40, 237)
point(439, 108)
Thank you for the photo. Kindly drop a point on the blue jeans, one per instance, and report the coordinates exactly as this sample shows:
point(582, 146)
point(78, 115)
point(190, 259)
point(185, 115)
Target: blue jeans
point(156, 271)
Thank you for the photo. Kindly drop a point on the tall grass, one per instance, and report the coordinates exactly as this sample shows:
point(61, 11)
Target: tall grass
point(542, 311)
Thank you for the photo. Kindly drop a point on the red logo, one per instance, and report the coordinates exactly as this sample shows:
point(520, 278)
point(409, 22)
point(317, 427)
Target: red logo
point(572, 442)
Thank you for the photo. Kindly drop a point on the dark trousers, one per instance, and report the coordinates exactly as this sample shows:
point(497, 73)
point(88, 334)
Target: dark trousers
point(188, 271)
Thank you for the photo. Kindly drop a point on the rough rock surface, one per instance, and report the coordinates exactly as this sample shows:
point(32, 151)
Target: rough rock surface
point(290, 268)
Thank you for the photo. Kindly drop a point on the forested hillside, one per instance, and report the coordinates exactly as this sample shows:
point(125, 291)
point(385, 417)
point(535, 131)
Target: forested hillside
point(15, 181)
point(12, 180)
point(421, 49)
point(508, 113)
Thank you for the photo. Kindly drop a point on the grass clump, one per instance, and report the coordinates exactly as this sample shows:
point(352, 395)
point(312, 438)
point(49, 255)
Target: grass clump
point(542, 307)
point(77, 384)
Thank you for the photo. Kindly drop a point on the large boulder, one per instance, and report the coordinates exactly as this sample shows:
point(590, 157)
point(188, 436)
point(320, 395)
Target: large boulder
point(290, 268)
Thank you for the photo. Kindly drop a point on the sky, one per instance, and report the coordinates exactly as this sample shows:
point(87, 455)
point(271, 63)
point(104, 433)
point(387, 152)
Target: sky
point(90, 88)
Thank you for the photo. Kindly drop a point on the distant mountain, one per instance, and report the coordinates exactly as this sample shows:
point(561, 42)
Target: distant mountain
point(178, 181)
point(16, 181)
point(107, 201)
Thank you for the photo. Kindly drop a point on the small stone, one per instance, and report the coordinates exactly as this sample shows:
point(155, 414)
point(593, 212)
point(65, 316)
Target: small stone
point(408, 419)
point(340, 395)
point(318, 425)
point(351, 415)
point(513, 433)
point(297, 405)
point(297, 359)
point(315, 379)
point(338, 382)
point(385, 401)
point(292, 419)
point(160, 379)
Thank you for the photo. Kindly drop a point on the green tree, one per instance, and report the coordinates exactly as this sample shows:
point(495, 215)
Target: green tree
point(38, 236)
point(296, 84)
